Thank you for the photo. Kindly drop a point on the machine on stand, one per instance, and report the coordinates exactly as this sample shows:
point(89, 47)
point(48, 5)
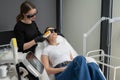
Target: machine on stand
point(9, 63)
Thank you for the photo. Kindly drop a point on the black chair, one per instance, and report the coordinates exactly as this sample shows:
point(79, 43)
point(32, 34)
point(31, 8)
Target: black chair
point(6, 36)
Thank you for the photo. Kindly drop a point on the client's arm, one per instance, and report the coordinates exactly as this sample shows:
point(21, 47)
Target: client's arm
point(71, 56)
point(49, 69)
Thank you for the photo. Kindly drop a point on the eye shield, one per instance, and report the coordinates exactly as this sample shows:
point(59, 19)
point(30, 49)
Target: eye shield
point(52, 30)
point(48, 31)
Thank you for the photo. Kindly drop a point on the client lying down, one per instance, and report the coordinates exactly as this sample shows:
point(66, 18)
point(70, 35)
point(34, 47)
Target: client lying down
point(57, 59)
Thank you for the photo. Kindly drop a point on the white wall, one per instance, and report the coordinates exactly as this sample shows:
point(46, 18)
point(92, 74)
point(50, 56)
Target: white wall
point(78, 17)
point(115, 40)
point(116, 29)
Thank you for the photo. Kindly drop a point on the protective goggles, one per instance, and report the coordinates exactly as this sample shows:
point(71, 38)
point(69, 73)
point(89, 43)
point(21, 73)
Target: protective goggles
point(52, 30)
point(49, 31)
point(31, 15)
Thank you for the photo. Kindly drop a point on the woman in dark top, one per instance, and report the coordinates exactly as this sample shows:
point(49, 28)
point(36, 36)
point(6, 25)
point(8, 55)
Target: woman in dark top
point(26, 30)
point(27, 33)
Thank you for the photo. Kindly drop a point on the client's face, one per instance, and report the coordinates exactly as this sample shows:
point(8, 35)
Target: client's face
point(53, 36)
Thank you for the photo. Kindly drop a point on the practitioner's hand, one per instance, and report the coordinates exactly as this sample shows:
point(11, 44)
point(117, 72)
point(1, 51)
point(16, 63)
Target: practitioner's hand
point(39, 38)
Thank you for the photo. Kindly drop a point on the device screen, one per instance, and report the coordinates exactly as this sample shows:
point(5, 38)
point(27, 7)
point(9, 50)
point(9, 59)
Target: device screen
point(35, 62)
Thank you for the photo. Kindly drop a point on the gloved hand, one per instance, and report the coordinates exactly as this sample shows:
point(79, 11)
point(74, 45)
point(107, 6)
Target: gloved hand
point(41, 38)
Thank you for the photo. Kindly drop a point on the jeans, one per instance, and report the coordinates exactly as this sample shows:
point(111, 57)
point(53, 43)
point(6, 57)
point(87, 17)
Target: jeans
point(78, 69)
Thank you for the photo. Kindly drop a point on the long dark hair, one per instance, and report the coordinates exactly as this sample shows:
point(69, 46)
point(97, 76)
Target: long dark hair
point(24, 8)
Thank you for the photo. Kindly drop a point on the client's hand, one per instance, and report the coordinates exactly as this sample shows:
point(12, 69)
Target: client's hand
point(63, 68)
